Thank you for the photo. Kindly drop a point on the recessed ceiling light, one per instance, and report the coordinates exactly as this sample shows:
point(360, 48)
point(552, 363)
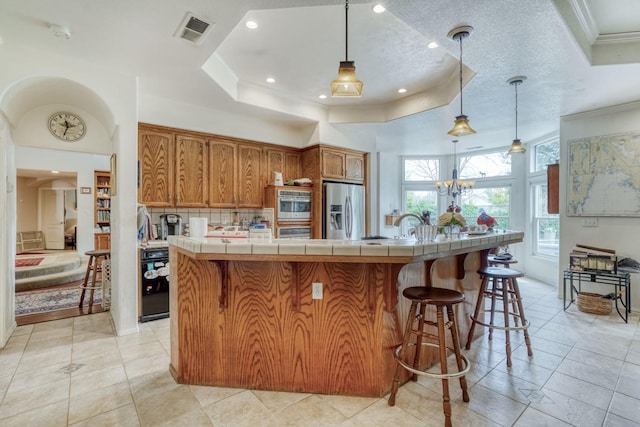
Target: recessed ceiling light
point(271, 80)
point(60, 31)
point(252, 25)
point(432, 45)
point(402, 90)
point(323, 97)
point(55, 171)
point(378, 8)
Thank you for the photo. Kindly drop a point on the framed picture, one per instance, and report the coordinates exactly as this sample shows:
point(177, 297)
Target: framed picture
point(113, 175)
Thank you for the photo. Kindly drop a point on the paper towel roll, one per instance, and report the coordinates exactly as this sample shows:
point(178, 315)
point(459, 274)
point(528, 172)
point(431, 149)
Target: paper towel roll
point(198, 227)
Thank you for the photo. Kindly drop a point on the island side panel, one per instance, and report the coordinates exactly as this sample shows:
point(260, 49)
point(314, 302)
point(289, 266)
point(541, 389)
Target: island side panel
point(261, 340)
point(196, 350)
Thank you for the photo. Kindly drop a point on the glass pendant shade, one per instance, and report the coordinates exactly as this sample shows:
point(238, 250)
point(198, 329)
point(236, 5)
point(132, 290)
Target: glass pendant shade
point(346, 84)
point(516, 147)
point(461, 127)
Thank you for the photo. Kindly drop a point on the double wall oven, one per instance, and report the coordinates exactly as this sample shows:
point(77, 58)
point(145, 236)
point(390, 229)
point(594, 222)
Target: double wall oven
point(292, 211)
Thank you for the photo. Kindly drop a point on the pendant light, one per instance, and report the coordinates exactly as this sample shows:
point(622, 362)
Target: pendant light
point(516, 145)
point(346, 84)
point(461, 126)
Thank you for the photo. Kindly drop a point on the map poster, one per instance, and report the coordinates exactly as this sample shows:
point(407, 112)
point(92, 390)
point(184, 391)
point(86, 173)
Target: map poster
point(604, 176)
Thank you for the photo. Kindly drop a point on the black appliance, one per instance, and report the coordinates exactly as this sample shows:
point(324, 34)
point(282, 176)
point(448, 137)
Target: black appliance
point(154, 283)
point(170, 225)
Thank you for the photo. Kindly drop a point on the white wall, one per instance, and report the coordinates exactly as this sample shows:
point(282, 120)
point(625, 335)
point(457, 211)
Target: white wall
point(621, 234)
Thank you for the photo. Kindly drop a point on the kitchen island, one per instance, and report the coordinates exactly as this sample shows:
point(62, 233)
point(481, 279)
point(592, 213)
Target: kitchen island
point(317, 316)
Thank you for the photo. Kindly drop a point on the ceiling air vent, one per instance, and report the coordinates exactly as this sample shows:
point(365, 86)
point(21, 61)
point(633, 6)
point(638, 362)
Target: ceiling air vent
point(193, 29)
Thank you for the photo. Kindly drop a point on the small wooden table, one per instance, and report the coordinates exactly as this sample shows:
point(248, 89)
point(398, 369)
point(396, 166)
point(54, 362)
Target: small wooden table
point(93, 266)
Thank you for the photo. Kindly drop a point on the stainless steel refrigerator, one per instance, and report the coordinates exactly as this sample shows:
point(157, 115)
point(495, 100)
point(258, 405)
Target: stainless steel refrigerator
point(343, 211)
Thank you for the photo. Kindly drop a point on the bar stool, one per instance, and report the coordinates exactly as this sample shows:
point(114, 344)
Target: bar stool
point(496, 261)
point(500, 283)
point(420, 297)
point(93, 267)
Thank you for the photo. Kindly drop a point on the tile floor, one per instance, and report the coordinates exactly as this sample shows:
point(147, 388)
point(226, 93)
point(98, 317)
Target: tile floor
point(585, 372)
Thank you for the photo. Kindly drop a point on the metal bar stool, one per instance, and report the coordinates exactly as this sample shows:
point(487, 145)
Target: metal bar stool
point(500, 283)
point(93, 267)
point(420, 297)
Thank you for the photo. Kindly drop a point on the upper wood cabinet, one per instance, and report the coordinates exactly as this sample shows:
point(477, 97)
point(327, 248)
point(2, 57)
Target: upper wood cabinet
point(235, 178)
point(191, 178)
point(250, 184)
point(173, 169)
point(335, 163)
point(286, 162)
point(355, 167)
point(223, 174)
point(155, 157)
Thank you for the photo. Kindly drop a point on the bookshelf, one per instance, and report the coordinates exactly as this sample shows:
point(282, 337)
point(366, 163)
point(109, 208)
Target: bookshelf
point(102, 191)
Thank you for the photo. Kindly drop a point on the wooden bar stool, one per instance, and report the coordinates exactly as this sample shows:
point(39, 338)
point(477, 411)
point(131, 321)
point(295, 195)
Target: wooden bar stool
point(93, 267)
point(500, 283)
point(420, 297)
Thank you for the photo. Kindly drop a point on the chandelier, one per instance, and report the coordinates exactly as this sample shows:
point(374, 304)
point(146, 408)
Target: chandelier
point(516, 145)
point(461, 127)
point(346, 84)
point(454, 187)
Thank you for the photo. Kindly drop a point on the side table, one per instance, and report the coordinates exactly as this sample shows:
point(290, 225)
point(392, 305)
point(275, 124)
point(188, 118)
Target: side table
point(620, 281)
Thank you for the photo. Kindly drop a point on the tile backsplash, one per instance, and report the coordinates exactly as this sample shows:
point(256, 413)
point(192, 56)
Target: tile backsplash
point(215, 216)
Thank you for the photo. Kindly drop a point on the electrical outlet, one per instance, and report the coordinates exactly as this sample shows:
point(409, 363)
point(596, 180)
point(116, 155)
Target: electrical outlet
point(316, 290)
point(590, 222)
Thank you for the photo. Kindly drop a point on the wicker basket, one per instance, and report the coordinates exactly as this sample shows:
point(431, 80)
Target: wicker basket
point(594, 303)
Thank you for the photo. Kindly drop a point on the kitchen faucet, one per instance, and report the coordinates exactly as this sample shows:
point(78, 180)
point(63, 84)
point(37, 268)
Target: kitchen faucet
point(407, 215)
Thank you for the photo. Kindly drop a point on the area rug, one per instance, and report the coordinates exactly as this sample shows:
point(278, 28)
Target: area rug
point(41, 301)
point(28, 262)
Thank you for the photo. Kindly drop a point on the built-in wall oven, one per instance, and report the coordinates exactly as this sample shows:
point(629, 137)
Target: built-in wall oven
point(294, 232)
point(154, 283)
point(293, 205)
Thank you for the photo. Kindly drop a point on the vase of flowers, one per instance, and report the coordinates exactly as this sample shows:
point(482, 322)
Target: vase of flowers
point(453, 220)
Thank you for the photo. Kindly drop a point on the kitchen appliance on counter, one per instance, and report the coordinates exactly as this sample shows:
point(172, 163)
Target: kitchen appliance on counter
point(170, 225)
point(154, 283)
point(343, 211)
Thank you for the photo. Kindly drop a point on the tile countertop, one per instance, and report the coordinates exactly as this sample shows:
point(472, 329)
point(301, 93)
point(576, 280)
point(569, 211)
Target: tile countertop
point(382, 247)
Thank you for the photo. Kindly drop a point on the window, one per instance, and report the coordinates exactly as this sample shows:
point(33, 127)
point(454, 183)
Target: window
point(545, 227)
point(494, 201)
point(485, 165)
point(418, 201)
point(545, 154)
point(421, 169)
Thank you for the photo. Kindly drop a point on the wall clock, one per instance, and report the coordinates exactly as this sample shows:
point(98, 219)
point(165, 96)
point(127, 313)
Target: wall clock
point(67, 126)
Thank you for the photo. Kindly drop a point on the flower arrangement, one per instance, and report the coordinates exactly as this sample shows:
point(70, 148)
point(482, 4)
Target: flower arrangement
point(452, 217)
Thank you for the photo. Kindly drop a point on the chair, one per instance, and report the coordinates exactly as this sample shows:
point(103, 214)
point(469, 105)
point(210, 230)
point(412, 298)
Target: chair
point(93, 268)
point(420, 297)
point(500, 283)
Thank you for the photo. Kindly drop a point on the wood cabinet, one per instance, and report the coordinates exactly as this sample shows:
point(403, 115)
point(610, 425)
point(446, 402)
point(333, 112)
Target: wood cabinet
point(553, 188)
point(235, 178)
point(173, 169)
point(191, 181)
point(286, 162)
point(223, 174)
point(343, 165)
point(102, 241)
point(156, 165)
point(250, 186)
